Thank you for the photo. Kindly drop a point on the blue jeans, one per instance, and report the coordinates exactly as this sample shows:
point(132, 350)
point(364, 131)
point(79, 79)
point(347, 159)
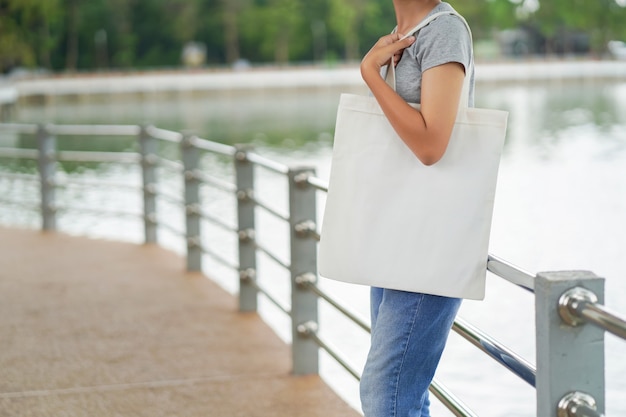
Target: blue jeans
point(409, 332)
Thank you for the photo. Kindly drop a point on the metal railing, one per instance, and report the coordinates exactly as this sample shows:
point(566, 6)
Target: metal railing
point(570, 318)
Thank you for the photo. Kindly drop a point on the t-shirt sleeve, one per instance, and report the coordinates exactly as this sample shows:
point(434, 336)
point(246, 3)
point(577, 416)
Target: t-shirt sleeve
point(444, 40)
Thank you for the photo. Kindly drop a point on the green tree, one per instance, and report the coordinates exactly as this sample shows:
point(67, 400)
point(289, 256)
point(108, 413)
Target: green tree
point(28, 32)
point(93, 34)
point(275, 30)
point(603, 20)
point(124, 38)
point(345, 18)
point(231, 9)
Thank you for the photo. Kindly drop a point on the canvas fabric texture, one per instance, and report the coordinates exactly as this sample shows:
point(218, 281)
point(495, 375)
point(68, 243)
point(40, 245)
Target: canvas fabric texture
point(391, 221)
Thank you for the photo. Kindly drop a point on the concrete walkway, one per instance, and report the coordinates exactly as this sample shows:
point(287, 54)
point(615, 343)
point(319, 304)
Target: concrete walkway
point(95, 328)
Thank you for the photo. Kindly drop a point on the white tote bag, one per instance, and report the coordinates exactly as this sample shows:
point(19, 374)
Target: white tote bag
point(391, 221)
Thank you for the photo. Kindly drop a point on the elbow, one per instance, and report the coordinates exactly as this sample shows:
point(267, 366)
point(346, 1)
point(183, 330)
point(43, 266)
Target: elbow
point(428, 158)
point(431, 151)
point(430, 148)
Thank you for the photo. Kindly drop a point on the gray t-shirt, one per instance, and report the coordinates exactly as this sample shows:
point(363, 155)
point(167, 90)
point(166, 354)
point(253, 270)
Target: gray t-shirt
point(444, 40)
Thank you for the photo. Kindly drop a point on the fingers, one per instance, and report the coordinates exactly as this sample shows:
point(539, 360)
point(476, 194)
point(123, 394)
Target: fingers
point(397, 39)
point(396, 57)
point(406, 42)
point(400, 45)
point(388, 49)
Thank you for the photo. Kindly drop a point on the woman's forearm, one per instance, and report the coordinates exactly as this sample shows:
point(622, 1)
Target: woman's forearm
point(426, 131)
point(407, 121)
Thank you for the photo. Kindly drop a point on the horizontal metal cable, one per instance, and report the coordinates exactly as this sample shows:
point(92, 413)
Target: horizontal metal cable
point(30, 205)
point(581, 305)
point(503, 355)
point(163, 134)
point(333, 352)
point(176, 166)
point(215, 182)
point(93, 130)
point(19, 153)
point(88, 156)
point(511, 273)
point(266, 163)
point(94, 210)
point(270, 210)
point(179, 201)
point(18, 128)
point(214, 147)
point(450, 401)
point(600, 316)
point(218, 222)
point(271, 255)
point(352, 316)
point(19, 177)
point(318, 183)
point(583, 411)
point(219, 258)
point(171, 229)
point(269, 296)
point(70, 181)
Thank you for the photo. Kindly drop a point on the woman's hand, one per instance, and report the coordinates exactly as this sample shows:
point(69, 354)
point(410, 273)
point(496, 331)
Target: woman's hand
point(387, 48)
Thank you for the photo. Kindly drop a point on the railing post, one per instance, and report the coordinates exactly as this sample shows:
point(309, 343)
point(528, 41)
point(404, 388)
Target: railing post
point(191, 159)
point(569, 359)
point(46, 143)
point(244, 170)
point(148, 150)
point(302, 218)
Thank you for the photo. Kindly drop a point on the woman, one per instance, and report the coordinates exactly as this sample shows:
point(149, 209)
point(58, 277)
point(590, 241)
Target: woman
point(409, 330)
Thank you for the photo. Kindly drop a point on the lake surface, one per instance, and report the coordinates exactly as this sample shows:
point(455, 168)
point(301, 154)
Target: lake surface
point(560, 205)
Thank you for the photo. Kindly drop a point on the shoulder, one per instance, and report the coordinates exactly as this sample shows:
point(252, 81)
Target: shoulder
point(444, 29)
point(445, 39)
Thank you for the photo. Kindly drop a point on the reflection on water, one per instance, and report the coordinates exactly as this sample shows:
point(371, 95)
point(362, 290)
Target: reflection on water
point(263, 115)
point(270, 117)
point(561, 200)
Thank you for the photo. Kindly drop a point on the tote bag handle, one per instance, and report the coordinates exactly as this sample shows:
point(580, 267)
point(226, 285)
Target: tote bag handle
point(390, 76)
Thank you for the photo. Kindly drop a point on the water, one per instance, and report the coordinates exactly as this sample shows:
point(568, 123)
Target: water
point(561, 204)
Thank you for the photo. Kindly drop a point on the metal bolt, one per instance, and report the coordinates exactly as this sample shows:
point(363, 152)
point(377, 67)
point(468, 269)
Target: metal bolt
point(150, 160)
point(306, 279)
point(194, 242)
point(192, 208)
point(307, 328)
point(571, 301)
point(191, 175)
point(247, 274)
point(49, 155)
point(241, 156)
point(568, 405)
point(150, 188)
point(151, 218)
point(189, 141)
point(302, 179)
point(244, 195)
point(303, 228)
point(246, 235)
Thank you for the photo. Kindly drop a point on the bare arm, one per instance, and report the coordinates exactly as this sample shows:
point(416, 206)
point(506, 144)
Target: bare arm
point(426, 131)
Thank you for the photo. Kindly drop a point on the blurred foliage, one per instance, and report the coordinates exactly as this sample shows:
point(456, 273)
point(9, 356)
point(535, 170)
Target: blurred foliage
point(68, 35)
